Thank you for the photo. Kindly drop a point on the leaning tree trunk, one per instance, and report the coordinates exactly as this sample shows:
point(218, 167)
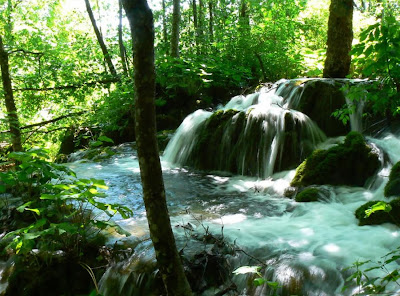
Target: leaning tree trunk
point(141, 23)
point(176, 19)
point(100, 40)
point(340, 37)
point(12, 114)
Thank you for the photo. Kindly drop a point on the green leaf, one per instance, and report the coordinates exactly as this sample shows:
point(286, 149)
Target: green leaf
point(259, 282)
point(247, 269)
point(379, 206)
point(105, 139)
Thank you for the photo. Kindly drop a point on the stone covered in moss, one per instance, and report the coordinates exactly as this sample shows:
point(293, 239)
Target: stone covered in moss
point(393, 185)
point(319, 99)
point(307, 195)
point(350, 163)
point(379, 217)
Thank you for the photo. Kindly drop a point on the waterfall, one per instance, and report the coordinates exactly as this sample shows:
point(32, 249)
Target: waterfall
point(253, 135)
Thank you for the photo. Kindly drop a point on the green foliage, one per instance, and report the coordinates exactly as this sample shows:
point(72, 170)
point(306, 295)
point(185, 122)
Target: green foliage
point(377, 57)
point(380, 277)
point(58, 211)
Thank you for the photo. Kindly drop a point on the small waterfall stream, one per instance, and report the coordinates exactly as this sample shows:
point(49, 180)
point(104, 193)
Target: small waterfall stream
point(307, 246)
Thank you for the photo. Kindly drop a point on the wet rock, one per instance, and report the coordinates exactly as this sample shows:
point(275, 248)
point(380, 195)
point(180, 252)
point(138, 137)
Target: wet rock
point(308, 194)
point(393, 185)
point(319, 99)
point(350, 163)
point(379, 217)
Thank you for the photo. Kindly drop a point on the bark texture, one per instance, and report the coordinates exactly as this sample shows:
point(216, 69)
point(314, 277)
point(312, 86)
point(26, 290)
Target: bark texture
point(176, 19)
point(103, 46)
point(340, 37)
point(141, 23)
point(12, 114)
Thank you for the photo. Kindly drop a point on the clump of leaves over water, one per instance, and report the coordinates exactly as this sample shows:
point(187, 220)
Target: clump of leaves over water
point(259, 280)
point(381, 277)
point(54, 210)
point(377, 57)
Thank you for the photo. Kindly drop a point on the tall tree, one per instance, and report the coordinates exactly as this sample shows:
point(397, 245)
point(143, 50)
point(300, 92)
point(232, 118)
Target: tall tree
point(142, 29)
point(211, 20)
point(176, 19)
point(340, 37)
point(99, 36)
point(12, 114)
point(122, 50)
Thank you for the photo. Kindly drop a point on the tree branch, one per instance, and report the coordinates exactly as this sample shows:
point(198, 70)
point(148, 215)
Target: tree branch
point(26, 52)
point(72, 86)
point(48, 121)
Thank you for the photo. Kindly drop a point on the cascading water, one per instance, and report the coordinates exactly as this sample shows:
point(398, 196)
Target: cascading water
point(306, 246)
point(252, 135)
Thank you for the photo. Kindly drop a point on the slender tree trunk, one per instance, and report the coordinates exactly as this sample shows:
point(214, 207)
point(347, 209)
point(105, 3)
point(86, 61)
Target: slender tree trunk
point(100, 40)
point(122, 50)
point(12, 115)
point(340, 37)
point(176, 19)
point(164, 21)
point(141, 23)
point(211, 20)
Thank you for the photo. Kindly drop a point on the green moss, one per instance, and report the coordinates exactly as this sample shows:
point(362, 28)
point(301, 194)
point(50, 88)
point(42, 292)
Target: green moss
point(307, 195)
point(393, 185)
point(379, 217)
point(350, 163)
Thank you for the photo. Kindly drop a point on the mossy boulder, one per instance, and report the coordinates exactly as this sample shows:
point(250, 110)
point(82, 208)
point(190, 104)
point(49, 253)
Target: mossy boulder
point(349, 163)
point(379, 217)
point(319, 100)
point(393, 185)
point(308, 194)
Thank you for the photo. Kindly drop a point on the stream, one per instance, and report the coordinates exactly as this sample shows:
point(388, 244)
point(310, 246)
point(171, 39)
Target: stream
point(306, 245)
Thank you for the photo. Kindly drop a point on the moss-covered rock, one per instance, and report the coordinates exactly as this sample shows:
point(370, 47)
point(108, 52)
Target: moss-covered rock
point(308, 194)
point(350, 163)
point(319, 99)
point(393, 185)
point(379, 217)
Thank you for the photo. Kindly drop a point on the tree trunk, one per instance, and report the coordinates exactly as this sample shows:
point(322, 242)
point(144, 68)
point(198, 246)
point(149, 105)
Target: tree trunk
point(340, 37)
point(141, 23)
point(211, 20)
point(100, 40)
point(122, 50)
point(176, 19)
point(12, 115)
point(164, 21)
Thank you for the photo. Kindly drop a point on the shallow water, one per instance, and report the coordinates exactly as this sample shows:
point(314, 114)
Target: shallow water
point(306, 245)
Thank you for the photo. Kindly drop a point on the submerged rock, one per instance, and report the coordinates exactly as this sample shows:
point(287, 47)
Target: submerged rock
point(350, 163)
point(308, 194)
point(393, 185)
point(379, 217)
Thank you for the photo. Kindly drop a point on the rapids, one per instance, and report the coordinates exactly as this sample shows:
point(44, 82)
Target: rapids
point(307, 246)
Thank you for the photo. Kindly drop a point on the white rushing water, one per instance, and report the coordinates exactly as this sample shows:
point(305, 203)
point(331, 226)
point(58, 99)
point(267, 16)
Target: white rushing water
point(306, 245)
